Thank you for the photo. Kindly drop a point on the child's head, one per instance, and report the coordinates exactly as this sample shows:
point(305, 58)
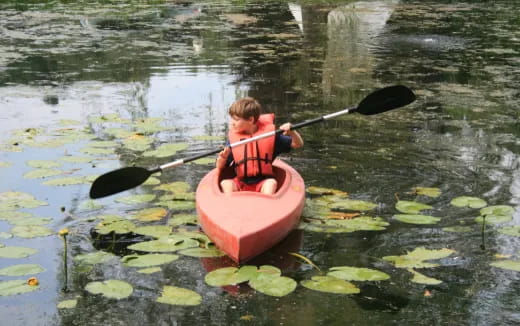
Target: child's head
point(246, 108)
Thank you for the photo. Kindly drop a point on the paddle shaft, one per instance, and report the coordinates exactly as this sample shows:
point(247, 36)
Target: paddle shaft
point(252, 139)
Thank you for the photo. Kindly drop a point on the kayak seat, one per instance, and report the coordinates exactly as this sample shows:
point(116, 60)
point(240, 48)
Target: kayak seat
point(229, 173)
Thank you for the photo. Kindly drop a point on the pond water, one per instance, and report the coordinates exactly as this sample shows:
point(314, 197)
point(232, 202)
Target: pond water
point(76, 75)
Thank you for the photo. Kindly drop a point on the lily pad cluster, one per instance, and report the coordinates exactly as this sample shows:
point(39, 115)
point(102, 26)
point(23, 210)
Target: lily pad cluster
point(331, 211)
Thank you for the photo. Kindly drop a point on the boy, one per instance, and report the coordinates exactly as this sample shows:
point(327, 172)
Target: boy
point(253, 161)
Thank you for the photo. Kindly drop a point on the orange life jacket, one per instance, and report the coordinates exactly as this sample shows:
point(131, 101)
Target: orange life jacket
point(255, 158)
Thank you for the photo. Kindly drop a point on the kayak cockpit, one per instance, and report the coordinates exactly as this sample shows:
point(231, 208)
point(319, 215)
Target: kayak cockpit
point(229, 173)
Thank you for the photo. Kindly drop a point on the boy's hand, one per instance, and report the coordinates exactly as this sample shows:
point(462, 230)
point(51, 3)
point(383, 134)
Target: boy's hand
point(222, 157)
point(286, 127)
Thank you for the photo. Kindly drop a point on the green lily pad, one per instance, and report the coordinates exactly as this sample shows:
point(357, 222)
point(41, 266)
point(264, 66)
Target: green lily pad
point(16, 252)
point(155, 231)
point(14, 215)
point(352, 205)
point(31, 221)
point(5, 164)
point(416, 258)
point(166, 150)
point(511, 230)
point(97, 151)
point(458, 228)
point(117, 226)
point(138, 144)
point(467, 201)
point(348, 273)
point(67, 304)
point(119, 133)
point(411, 207)
point(77, 159)
point(497, 210)
point(150, 214)
point(174, 187)
point(103, 144)
point(272, 284)
point(202, 252)
point(5, 235)
point(67, 181)
point(89, 205)
point(42, 164)
point(416, 219)
point(208, 138)
point(42, 173)
point(512, 265)
point(330, 284)
point(494, 219)
point(150, 270)
point(93, 258)
point(204, 161)
point(136, 199)
point(148, 260)
point(179, 296)
point(362, 223)
point(423, 279)
point(30, 231)
point(108, 118)
point(168, 244)
point(178, 205)
point(230, 275)
point(112, 289)
point(320, 191)
point(20, 270)
point(427, 191)
point(152, 181)
point(16, 287)
point(180, 219)
point(12, 200)
point(149, 126)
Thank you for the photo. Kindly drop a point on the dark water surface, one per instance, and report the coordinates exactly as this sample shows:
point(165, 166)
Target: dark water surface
point(186, 62)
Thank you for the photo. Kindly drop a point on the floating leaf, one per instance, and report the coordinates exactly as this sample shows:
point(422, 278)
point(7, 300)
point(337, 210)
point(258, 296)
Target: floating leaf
point(77, 159)
point(348, 273)
point(165, 244)
point(174, 187)
point(423, 279)
point(202, 252)
point(466, 201)
point(67, 304)
point(178, 205)
point(41, 164)
point(119, 132)
point(150, 270)
point(4, 164)
point(363, 223)
point(417, 257)
point(427, 191)
point(208, 138)
point(511, 230)
point(16, 287)
point(411, 207)
point(5, 235)
point(494, 219)
point(117, 226)
point(204, 161)
point(305, 259)
point(416, 219)
point(16, 252)
point(179, 296)
point(111, 117)
point(103, 144)
point(352, 205)
point(458, 228)
point(89, 205)
point(497, 213)
point(31, 221)
point(152, 181)
point(230, 275)
point(150, 214)
point(319, 191)
point(42, 173)
point(148, 260)
point(330, 284)
point(272, 284)
point(112, 289)
point(68, 181)
point(13, 200)
point(155, 231)
point(92, 258)
point(136, 199)
point(512, 265)
point(137, 143)
point(180, 219)
point(97, 151)
point(30, 231)
point(14, 215)
point(149, 126)
point(20, 270)
point(166, 150)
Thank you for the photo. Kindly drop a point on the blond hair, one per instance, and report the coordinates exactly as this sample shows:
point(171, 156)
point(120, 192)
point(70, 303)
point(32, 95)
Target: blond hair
point(246, 108)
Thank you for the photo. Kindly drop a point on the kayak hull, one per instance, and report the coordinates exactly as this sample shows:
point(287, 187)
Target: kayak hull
point(245, 224)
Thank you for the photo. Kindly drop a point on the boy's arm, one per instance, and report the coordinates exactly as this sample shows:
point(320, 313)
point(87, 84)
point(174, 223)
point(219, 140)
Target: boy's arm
point(223, 158)
point(297, 140)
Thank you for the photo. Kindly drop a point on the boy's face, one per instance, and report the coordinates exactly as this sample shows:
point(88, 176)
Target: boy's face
point(242, 125)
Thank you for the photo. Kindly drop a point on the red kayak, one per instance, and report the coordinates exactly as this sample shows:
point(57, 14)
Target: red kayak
point(245, 224)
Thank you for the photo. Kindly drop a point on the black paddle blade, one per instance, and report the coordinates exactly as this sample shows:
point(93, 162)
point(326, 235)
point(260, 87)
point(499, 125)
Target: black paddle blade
point(119, 180)
point(386, 99)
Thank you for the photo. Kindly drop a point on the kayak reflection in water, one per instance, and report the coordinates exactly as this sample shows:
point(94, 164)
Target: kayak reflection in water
point(253, 161)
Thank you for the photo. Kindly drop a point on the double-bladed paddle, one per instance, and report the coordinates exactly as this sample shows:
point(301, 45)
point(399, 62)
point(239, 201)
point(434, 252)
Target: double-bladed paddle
point(379, 101)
